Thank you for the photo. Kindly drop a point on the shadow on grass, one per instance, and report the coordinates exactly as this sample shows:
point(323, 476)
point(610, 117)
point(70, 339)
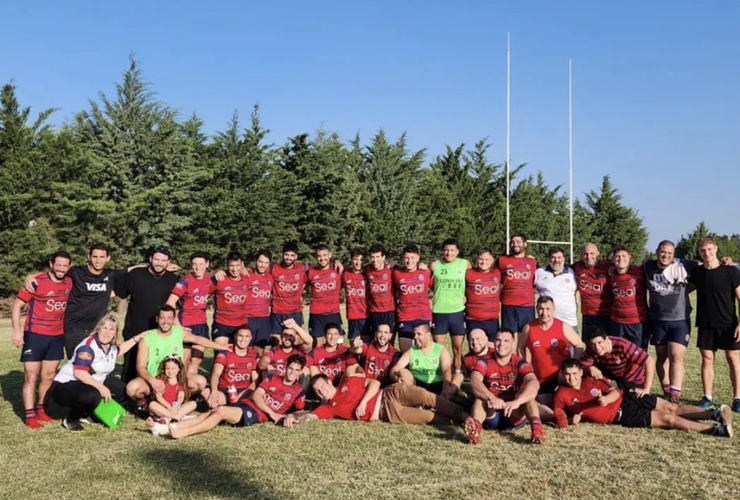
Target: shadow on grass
point(204, 473)
point(449, 432)
point(11, 384)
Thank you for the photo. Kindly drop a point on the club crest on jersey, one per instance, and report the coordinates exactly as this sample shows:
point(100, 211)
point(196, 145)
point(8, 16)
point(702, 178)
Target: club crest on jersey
point(528, 266)
point(434, 361)
point(511, 376)
point(345, 389)
point(175, 348)
point(297, 276)
point(385, 276)
point(84, 355)
point(631, 282)
point(249, 414)
point(286, 397)
point(421, 277)
point(459, 271)
point(595, 392)
point(333, 275)
point(554, 342)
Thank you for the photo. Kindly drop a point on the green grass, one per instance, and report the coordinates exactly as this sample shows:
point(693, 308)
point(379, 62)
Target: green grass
point(347, 460)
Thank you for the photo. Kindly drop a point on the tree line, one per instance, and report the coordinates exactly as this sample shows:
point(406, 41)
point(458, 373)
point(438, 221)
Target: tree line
point(130, 172)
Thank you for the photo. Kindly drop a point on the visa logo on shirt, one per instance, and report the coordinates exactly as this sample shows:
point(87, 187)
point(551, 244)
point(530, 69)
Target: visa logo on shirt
point(96, 287)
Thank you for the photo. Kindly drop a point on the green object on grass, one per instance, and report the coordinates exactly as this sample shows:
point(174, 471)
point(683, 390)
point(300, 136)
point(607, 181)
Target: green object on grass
point(110, 413)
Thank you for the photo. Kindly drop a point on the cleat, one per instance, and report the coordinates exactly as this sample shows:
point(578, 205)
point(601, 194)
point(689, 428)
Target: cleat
point(473, 430)
point(538, 435)
point(72, 425)
point(32, 423)
point(705, 403)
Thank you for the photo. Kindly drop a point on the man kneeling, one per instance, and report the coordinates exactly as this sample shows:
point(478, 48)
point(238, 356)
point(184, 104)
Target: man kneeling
point(358, 398)
point(595, 400)
point(270, 401)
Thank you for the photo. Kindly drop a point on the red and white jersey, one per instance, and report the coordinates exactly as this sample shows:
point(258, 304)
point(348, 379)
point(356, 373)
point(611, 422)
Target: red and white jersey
point(596, 297)
point(548, 349)
point(381, 297)
point(259, 293)
point(412, 290)
point(471, 358)
point(279, 358)
point(287, 288)
point(230, 301)
point(193, 303)
point(237, 369)
point(325, 286)
point(583, 401)
point(629, 296)
point(355, 294)
point(376, 363)
point(46, 305)
point(332, 364)
point(280, 396)
point(482, 294)
point(346, 400)
point(517, 279)
point(504, 381)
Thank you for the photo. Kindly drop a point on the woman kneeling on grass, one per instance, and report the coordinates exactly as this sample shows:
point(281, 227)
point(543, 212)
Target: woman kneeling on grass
point(83, 382)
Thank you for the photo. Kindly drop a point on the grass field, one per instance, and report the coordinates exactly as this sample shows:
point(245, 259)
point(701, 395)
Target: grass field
point(346, 460)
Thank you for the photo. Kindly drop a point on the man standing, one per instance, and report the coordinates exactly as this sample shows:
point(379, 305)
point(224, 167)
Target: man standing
point(629, 306)
point(380, 299)
point(717, 289)
point(448, 301)
point(325, 284)
point(355, 296)
point(147, 290)
point(260, 286)
point(230, 301)
point(517, 280)
point(482, 290)
point(41, 338)
point(412, 287)
point(426, 364)
point(592, 275)
point(559, 282)
point(289, 277)
point(670, 315)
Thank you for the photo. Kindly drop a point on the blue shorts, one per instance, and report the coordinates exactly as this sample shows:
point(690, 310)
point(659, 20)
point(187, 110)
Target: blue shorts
point(630, 331)
point(434, 388)
point(37, 347)
point(452, 323)
point(490, 326)
point(405, 330)
point(359, 328)
point(260, 330)
point(382, 318)
point(515, 317)
point(663, 332)
point(276, 321)
point(601, 322)
point(199, 330)
point(223, 331)
point(500, 422)
point(317, 324)
point(249, 414)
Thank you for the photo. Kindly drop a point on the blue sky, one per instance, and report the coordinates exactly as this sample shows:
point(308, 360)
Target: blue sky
point(655, 83)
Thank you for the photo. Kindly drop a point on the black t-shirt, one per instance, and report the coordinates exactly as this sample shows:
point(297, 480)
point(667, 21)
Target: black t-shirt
point(715, 296)
point(146, 293)
point(88, 301)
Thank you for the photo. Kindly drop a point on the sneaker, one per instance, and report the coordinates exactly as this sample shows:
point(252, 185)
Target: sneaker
point(85, 420)
point(160, 429)
point(722, 430)
point(721, 414)
point(473, 430)
point(736, 405)
point(705, 403)
point(72, 425)
point(142, 408)
point(32, 423)
point(41, 416)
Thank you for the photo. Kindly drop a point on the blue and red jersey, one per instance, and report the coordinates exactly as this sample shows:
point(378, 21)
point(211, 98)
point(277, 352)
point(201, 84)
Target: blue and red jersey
point(517, 280)
point(287, 288)
point(625, 362)
point(237, 369)
point(355, 294)
point(46, 305)
point(596, 297)
point(259, 293)
point(332, 364)
point(412, 291)
point(193, 304)
point(376, 363)
point(584, 401)
point(482, 294)
point(325, 286)
point(629, 296)
point(381, 295)
point(279, 396)
point(279, 358)
point(504, 381)
point(230, 301)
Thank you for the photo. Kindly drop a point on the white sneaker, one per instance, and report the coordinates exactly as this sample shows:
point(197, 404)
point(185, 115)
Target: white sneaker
point(159, 429)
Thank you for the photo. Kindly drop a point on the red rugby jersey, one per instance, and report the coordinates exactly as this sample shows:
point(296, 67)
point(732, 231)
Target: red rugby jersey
point(377, 364)
point(629, 296)
point(325, 286)
point(583, 401)
point(548, 349)
point(193, 303)
point(279, 358)
point(412, 289)
point(471, 358)
point(482, 291)
point(171, 391)
point(237, 369)
point(280, 396)
point(596, 297)
point(626, 361)
point(288, 288)
point(46, 305)
point(380, 289)
point(346, 400)
point(259, 293)
point(355, 294)
point(517, 280)
point(230, 301)
point(504, 381)
point(331, 364)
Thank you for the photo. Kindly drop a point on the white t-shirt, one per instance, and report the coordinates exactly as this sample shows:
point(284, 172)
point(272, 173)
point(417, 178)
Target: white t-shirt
point(562, 289)
point(89, 356)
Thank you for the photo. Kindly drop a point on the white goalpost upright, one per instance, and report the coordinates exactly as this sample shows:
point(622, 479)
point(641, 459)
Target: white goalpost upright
point(508, 154)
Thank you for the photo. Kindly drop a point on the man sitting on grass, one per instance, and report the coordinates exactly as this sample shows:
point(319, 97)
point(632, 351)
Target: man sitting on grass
point(595, 400)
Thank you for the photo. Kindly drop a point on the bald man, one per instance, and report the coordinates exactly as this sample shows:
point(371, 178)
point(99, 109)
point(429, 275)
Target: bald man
point(592, 274)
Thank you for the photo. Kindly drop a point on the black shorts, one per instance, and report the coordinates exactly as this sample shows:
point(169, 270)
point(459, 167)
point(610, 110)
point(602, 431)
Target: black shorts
point(37, 347)
point(603, 323)
point(223, 331)
point(382, 318)
point(452, 323)
point(260, 330)
point(548, 386)
point(712, 339)
point(276, 321)
point(634, 332)
point(359, 328)
point(72, 338)
point(636, 412)
point(199, 330)
point(405, 330)
point(662, 332)
point(515, 317)
point(434, 387)
point(489, 326)
point(317, 324)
